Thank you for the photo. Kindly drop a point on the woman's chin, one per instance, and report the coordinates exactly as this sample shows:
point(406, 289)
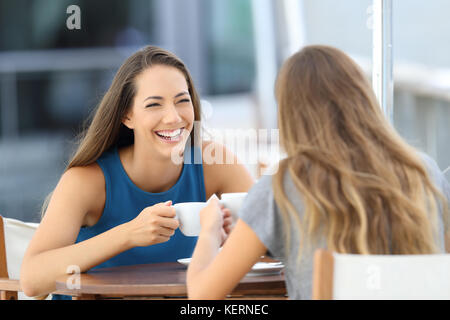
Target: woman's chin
point(173, 151)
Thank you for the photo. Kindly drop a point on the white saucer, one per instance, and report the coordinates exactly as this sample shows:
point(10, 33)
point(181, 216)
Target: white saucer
point(266, 268)
point(184, 261)
point(259, 269)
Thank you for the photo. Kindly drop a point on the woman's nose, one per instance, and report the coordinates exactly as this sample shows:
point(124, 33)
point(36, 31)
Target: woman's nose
point(171, 114)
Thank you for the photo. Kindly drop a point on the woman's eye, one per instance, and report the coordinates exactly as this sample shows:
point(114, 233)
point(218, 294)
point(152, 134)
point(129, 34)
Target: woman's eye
point(184, 100)
point(152, 105)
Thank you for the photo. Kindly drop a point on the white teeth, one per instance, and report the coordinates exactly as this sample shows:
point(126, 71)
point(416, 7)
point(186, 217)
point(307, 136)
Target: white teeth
point(169, 134)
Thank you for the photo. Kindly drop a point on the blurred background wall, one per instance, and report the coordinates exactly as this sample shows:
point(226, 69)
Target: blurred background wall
point(52, 78)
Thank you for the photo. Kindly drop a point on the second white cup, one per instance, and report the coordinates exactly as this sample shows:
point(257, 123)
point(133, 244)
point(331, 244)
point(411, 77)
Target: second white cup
point(233, 201)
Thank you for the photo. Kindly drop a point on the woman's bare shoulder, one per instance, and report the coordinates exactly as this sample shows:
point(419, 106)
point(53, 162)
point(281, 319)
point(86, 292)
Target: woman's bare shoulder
point(85, 185)
point(90, 176)
point(222, 170)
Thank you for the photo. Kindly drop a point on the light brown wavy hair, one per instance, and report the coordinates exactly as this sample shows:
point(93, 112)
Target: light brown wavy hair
point(364, 189)
point(104, 128)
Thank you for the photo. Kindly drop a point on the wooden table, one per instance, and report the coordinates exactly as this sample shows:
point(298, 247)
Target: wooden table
point(160, 280)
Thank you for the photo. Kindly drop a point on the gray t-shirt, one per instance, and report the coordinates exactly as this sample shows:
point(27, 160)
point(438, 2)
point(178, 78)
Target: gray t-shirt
point(262, 214)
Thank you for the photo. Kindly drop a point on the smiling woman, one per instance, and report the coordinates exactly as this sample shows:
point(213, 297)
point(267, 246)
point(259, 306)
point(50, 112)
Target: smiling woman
point(162, 111)
point(113, 204)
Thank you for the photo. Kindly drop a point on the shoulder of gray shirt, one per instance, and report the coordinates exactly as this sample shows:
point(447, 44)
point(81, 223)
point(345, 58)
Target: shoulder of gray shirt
point(436, 175)
point(260, 211)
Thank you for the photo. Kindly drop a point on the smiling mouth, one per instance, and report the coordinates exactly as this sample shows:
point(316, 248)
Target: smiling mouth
point(170, 135)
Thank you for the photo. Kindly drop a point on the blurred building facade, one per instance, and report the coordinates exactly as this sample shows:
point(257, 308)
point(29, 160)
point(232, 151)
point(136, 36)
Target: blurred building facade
point(51, 78)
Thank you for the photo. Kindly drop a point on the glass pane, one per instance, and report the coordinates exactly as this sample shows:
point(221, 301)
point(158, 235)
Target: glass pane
point(421, 61)
point(342, 24)
point(422, 75)
point(231, 57)
point(41, 24)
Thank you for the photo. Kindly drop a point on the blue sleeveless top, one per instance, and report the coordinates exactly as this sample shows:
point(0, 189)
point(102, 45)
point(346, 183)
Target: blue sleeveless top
point(124, 202)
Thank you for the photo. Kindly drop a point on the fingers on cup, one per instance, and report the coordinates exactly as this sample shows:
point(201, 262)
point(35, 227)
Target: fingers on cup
point(162, 239)
point(166, 211)
point(169, 222)
point(166, 232)
point(226, 213)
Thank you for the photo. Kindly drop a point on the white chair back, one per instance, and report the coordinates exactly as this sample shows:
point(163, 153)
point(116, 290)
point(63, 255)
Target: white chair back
point(391, 277)
point(18, 235)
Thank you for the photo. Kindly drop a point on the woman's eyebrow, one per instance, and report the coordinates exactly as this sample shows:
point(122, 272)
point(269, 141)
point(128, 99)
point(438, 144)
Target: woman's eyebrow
point(182, 94)
point(161, 98)
point(153, 97)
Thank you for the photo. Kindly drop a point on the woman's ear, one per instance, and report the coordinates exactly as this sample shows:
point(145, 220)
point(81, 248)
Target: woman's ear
point(126, 120)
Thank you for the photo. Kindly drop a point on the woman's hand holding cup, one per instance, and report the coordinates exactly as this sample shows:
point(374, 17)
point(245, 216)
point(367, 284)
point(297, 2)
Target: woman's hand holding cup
point(215, 219)
point(155, 224)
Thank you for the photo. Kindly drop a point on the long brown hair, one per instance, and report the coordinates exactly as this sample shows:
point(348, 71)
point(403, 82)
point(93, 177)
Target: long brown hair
point(364, 189)
point(105, 128)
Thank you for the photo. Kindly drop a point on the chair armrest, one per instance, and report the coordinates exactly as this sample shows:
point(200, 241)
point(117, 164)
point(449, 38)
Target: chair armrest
point(7, 284)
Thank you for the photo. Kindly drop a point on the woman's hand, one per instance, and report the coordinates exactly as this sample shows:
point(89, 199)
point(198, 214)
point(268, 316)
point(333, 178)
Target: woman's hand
point(227, 224)
point(155, 224)
point(215, 219)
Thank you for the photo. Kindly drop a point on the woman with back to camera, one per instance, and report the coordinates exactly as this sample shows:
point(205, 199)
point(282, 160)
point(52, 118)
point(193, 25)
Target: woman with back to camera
point(349, 183)
point(112, 205)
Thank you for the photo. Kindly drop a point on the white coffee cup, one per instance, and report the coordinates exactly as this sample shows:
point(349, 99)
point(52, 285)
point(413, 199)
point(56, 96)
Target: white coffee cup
point(188, 214)
point(233, 201)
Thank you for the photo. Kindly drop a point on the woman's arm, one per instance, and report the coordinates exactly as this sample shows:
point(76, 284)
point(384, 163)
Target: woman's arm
point(52, 250)
point(213, 274)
